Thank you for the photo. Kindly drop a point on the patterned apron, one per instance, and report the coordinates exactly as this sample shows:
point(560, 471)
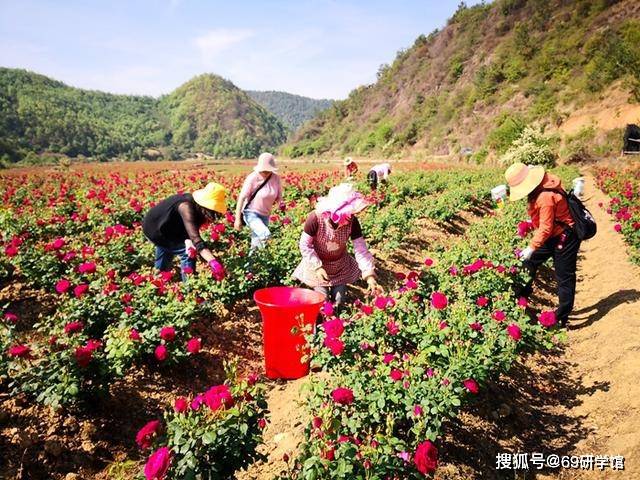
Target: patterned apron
point(331, 247)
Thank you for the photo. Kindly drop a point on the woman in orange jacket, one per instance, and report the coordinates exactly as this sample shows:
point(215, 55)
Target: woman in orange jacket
point(553, 237)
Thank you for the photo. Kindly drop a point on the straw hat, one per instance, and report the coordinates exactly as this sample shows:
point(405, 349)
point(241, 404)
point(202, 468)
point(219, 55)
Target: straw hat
point(213, 197)
point(523, 179)
point(341, 203)
point(348, 161)
point(266, 163)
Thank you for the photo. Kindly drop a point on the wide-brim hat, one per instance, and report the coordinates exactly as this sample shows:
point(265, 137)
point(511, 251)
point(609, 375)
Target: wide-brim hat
point(342, 201)
point(266, 163)
point(523, 179)
point(348, 161)
point(212, 197)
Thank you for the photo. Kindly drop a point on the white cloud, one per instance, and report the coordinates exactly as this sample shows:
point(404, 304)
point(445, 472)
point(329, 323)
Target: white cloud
point(216, 41)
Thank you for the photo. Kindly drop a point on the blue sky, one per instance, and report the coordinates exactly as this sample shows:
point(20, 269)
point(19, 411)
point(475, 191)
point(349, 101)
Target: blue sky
point(318, 48)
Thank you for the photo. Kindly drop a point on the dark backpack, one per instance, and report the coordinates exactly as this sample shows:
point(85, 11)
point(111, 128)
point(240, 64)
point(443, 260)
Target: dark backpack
point(585, 225)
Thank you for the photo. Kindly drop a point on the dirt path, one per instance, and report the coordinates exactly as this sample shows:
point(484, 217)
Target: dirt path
point(604, 346)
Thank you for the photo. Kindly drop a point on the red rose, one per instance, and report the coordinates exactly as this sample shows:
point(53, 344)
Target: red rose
point(144, 437)
point(73, 327)
point(11, 317)
point(476, 326)
point(161, 353)
point(83, 356)
point(396, 374)
point(514, 332)
point(158, 464)
point(10, 251)
point(426, 457)
point(262, 423)
point(428, 262)
point(316, 422)
point(168, 334)
point(193, 345)
point(134, 335)
point(388, 358)
point(547, 319)
point(523, 302)
point(439, 300)
point(342, 396)
point(181, 405)
point(482, 301)
point(471, 385)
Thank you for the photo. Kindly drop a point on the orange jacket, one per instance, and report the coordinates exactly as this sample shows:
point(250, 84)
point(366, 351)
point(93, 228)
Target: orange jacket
point(546, 210)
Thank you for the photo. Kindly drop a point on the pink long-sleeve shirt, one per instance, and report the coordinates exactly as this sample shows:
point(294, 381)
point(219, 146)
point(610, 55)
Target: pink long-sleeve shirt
point(266, 197)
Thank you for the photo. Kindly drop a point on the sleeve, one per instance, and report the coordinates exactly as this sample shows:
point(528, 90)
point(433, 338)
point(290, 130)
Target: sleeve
point(311, 225)
point(361, 251)
point(363, 257)
point(308, 251)
point(246, 186)
point(356, 229)
point(545, 228)
point(189, 215)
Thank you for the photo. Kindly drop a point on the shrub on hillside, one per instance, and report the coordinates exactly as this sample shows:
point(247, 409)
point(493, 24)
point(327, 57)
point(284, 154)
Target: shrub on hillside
point(532, 148)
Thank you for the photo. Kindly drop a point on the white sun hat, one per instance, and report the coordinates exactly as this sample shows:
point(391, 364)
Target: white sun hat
point(342, 202)
point(266, 163)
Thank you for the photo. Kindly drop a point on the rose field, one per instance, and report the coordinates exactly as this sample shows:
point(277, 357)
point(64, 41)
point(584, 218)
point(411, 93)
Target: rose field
point(109, 369)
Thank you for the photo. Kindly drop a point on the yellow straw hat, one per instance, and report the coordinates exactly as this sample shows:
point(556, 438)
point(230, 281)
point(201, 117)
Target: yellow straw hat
point(523, 179)
point(213, 197)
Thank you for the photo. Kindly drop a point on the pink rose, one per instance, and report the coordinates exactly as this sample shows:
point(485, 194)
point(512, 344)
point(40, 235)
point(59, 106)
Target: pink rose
point(498, 315)
point(428, 262)
point(482, 301)
point(134, 335)
point(418, 411)
point(392, 327)
point(20, 351)
point(145, 436)
point(161, 353)
point(80, 290)
point(180, 405)
point(327, 309)
point(218, 397)
point(168, 334)
point(11, 317)
point(617, 227)
point(442, 325)
point(87, 267)
point(547, 319)
point(396, 374)
point(476, 326)
point(333, 328)
point(62, 286)
point(439, 300)
point(388, 358)
point(335, 345)
point(73, 327)
point(426, 457)
point(471, 385)
point(523, 302)
point(343, 396)
point(194, 345)
point(514, 332)
point(158, 464)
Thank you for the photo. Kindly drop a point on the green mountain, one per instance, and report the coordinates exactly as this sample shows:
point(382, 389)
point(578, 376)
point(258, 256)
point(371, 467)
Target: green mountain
point(292, 110)
point(570, 67)
point(207, 114)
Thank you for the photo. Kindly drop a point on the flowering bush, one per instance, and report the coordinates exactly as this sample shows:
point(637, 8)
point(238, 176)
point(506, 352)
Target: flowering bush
point(531, 148)
point(623, 186)
point(209, 436)
point(407, 362)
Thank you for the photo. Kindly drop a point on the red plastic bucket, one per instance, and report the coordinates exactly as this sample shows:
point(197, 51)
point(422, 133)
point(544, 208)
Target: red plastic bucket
point(285, 311)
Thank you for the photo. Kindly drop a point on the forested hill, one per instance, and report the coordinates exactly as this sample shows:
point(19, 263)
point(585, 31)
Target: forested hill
point(570, 66)
point(207, 114)
point(292, 110)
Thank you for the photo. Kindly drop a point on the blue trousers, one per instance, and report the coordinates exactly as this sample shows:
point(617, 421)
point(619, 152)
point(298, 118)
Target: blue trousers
point(164, 260)
point(259, 225)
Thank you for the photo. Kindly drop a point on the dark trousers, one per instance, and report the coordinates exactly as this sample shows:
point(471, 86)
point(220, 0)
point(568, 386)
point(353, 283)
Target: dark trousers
point(564, 264)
